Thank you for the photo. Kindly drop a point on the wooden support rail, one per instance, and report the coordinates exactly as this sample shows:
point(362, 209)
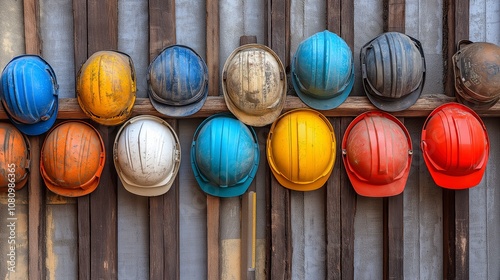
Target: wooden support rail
point(353, 106)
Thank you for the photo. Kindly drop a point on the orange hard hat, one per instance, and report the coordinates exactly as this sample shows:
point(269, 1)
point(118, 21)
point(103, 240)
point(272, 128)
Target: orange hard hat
point(455, 146)
point(72, 159)
point(14, 158)
point(377, 153)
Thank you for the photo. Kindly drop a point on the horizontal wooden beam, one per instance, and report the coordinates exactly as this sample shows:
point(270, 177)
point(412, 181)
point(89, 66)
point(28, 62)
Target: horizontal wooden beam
point(353, 106)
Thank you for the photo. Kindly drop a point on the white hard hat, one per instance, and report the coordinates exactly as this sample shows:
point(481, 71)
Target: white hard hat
point(147, 155)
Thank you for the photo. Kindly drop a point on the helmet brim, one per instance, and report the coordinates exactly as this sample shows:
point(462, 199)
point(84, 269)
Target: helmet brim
point(39, 127)
point(145, 191)
point(458, 182)
point(370, 190)
point(77, 192)
point(254, 120)
point(324, 104)
point(182, 110)
point(395, 105)
point(301, 187)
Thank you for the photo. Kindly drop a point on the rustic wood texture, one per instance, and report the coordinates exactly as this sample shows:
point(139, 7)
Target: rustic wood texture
point(36, 207)
point(102, 26)
point(213, 265)
point(333, 210)
point(455, 203)
point(36, 215)
point(393, 207)
point(353, 106)
point(213, 203)
point(164, 209)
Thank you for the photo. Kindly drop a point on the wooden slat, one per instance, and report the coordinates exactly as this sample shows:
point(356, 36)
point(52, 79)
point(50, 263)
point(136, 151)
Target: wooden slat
point(164, 209)
point(102, 26)
point(353, 106)
point(279, 29)
point(213, 266)
point(213, 203)
point(333, 212)
point(280, 240)
point(340, 254)
point(32, 40)
point(83, 204)
point(80, 33)
point(36, 191)
point(393, 239)
point(455, 203)
point(348, 210)
point(36, 215)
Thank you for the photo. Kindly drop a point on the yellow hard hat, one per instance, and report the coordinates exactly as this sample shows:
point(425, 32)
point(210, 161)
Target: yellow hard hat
point(301, 149)
point(106, 87)
point(254, 84)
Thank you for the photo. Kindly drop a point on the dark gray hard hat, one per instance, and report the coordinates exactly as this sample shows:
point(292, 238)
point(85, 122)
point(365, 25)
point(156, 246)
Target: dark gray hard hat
point(393, 68)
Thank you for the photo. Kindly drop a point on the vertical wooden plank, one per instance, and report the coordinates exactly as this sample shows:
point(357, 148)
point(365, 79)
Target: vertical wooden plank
point(333, 212)
point(79, 33)
point(394, 20)
point(213, 203)
point(455, 203)
point(213, 266)
point(280, 241)
point(36, 208)
point(32, 27)
point(279, 29)
point(164, 209)
point(102, 25)
point(348, 210)
point(36, 215)
point(83, 204)
point(340, 261)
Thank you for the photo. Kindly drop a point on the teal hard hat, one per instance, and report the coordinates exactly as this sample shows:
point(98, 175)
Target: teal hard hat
point(178, 81)
point(29, 94)
point(323, 71)
point(224, 155)
point(393, 68)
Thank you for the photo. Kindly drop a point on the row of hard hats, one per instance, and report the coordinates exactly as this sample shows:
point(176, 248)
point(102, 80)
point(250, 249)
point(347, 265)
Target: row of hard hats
point(301, 151)
point(254, 81)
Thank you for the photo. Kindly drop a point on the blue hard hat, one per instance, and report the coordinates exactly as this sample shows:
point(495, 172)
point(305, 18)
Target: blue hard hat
point(29, 94)
point(323, 71)
point(178, 81)
point(224, 155)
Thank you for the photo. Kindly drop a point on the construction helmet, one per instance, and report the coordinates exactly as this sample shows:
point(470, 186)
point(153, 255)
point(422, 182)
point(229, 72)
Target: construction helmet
point(147, 155)
point(254, 84)
point(455, 146)
point(72, 159)
point(178, 81)
point(477, 75)
point(323, 71)
point(105, 87)
point(393, 71)
point(29, 94)
point(14, 158)
point(224, 155)
point(301, 149)
point(377, 153)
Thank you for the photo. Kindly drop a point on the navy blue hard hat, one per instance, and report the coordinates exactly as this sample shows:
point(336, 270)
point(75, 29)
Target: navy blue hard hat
point(178, 81)
point(224, 155)
point(29, 94)
point(323, 71)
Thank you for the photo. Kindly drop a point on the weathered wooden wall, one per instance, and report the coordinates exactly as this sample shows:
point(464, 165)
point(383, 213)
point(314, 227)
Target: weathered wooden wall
point(326, 234)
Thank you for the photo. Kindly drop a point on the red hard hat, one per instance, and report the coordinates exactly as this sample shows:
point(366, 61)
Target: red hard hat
point(377, 152)
point(455, 146)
